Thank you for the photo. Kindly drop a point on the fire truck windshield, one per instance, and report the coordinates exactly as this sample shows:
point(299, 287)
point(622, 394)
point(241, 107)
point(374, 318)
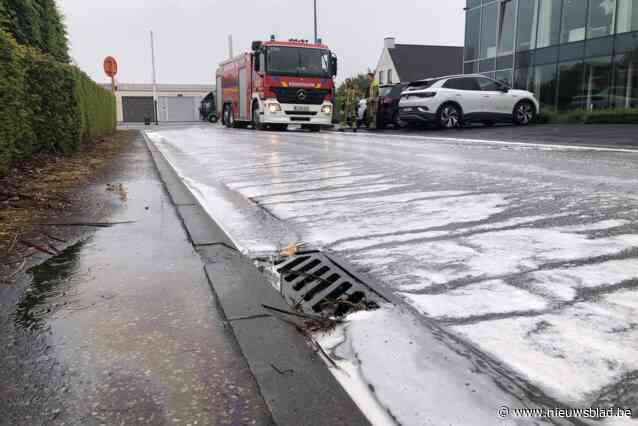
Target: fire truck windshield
point(298, 61)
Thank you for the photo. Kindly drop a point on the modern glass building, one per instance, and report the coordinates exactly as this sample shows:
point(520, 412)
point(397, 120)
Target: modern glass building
point(570, 53)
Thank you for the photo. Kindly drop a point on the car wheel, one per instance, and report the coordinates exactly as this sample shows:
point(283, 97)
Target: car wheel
point(524, 113)
point(449, 116)
point(398, 123)
point(212, 118)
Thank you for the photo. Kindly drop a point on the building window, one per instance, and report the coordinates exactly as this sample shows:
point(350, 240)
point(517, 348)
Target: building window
point(488, 31)
point(570, 85)
point(597, 82)
point(470, 67)
point(526, 24)
point(380, 77)
point(390, 77)
point(548, 23)
point(602, 16)
point(504, 76)
point(472, 32)
point(624, 92)
point(627, 16)
point(524, 79)
point(506, 28)
point(574, 18)
point(545, 85)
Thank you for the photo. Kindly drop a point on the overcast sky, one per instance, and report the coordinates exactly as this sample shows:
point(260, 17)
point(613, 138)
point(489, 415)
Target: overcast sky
point(191, 35)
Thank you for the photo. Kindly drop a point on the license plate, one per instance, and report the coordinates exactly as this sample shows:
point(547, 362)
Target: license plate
point(301, 108)
point(408, 109)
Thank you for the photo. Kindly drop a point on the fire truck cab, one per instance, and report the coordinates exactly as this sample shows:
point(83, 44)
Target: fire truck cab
point(277, 84)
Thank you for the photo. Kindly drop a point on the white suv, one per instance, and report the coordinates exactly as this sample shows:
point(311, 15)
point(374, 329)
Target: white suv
point(455, 100)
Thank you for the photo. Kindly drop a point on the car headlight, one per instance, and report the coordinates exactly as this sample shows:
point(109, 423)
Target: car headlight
point(326, 109)
point(274, 107)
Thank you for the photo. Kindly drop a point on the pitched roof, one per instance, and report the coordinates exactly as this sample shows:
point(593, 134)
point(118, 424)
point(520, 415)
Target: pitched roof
point(416, 62)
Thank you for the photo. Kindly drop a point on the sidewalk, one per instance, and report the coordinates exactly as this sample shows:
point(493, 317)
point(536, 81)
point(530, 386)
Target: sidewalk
point(122, 327)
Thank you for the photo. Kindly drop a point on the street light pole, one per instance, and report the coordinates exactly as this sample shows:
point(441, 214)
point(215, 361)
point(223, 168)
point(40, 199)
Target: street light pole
point(316, 39)
point(154, 80)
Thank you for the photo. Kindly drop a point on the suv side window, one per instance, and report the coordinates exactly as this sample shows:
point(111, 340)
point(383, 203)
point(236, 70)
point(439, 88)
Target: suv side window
point(453, 83)
point(464, 83)
point(488, 85)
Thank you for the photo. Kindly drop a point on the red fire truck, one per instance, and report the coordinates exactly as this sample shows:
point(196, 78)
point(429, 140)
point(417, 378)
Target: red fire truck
point(277, 84)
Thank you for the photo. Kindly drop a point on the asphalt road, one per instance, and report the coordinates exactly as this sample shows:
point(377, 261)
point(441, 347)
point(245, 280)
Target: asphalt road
point(528, 252)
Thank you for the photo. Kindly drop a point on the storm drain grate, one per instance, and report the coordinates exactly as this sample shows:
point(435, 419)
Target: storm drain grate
point(315, 283)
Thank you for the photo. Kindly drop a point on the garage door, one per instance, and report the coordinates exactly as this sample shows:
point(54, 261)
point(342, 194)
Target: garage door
point(135, 108)
point(178, 108)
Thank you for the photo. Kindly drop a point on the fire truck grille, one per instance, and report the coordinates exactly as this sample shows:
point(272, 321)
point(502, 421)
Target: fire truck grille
point(296, 95)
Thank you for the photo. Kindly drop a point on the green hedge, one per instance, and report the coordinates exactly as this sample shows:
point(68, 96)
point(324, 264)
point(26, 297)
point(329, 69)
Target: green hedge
point(46, 105)
point(596, 116)
point(36, 23)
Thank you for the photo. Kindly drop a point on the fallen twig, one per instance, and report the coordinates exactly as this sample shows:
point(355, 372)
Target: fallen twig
point(38, 247)
point(13, 243)
point(14, 273)
point(54, 248)
point(332, 361)
point(51, 237)
point(282, 372)
point(91, 224)
point(297, 314)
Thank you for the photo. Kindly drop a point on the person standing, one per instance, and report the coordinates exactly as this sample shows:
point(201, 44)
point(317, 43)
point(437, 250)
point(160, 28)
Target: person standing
point(349, 115)
point(373, 101)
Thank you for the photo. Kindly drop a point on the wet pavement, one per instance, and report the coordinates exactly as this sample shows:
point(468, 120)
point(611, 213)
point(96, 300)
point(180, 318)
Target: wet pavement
point(605, 135)
point(122, 327)
point(527, 253)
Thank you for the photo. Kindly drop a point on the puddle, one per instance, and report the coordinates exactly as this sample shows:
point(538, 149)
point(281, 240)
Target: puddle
point(50, 288)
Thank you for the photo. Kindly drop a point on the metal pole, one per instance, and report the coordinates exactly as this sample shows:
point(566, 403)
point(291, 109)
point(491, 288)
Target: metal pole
point(316, 39)
point(154, 80)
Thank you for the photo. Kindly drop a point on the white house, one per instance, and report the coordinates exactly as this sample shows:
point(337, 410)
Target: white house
point(402, 63)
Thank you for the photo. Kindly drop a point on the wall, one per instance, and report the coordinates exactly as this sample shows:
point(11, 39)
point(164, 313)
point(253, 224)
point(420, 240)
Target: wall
point(385, 63)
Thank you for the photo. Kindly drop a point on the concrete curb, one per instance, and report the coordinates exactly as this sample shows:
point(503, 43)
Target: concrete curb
point(294, 381)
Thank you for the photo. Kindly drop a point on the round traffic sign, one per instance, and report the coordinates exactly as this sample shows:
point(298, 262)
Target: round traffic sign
point(110, 66)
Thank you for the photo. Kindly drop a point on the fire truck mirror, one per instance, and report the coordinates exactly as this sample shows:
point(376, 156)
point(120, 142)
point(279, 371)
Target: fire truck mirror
point(334, 65)
point(256, 45)
point(256, 62)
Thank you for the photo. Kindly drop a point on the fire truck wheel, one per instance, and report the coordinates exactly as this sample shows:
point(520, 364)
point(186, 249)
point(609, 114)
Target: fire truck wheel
point(225, 116)
point(256, 120)
point(230, 118)
point(311, 127)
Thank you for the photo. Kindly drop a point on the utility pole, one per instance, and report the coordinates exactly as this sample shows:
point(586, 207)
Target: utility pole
point(316, 39)
point(154, 80)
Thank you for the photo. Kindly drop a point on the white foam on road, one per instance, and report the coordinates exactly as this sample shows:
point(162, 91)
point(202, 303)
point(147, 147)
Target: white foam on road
point(571, 354)
point(413, 374)
point(488, 297)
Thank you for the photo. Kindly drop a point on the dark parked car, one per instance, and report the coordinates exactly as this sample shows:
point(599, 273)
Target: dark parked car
point(207, 109)
point(389, 96)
